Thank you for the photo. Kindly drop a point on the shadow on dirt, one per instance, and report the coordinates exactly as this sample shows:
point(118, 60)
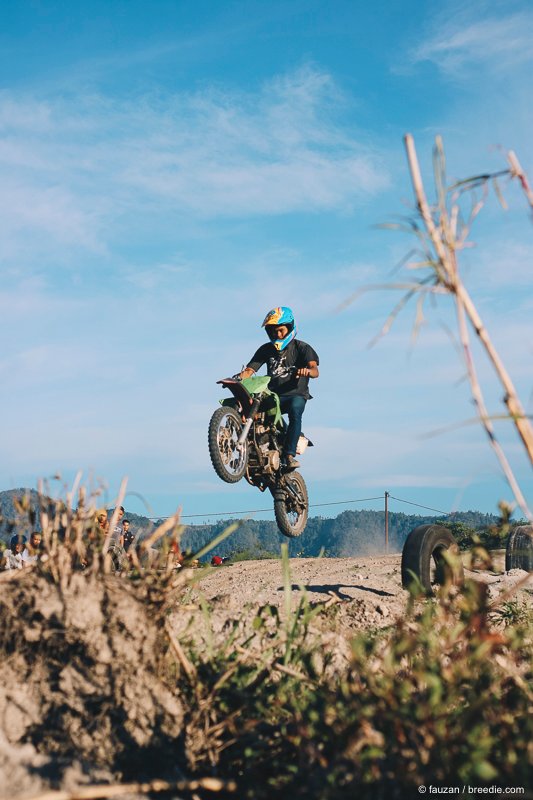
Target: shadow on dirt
point(336, 590)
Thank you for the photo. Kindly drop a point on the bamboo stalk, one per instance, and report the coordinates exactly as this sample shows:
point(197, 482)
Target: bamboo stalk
point(518, 172)
point(423, 207)
point(483, 415)
point(516, 411)
point(447, 274)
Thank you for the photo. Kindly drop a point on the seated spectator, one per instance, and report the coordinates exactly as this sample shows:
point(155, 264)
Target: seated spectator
point(14, 554)
point(33, 549)
point(128, 537)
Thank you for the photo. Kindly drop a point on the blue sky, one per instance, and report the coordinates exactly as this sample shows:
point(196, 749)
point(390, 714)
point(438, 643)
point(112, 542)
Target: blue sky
point(169, 171)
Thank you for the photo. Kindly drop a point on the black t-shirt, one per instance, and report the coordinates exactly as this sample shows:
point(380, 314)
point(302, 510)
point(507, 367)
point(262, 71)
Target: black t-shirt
point(129, 537)
point(297, 354)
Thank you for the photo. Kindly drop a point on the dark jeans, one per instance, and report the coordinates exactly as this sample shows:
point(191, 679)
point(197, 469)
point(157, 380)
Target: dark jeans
point(293, 405)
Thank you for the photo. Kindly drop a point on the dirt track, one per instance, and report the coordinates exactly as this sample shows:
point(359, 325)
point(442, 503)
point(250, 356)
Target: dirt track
point(368, 589)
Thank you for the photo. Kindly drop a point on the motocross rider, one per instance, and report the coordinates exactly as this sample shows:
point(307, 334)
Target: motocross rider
point(290, 363)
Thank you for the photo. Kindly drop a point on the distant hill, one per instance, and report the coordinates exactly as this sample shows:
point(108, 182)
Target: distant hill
point(350, 533)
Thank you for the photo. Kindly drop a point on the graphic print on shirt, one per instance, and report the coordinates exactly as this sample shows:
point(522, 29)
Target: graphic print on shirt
point(278, 367)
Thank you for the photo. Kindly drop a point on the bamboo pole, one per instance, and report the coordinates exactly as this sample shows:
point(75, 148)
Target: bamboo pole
point(518, 172)
point(447, 275)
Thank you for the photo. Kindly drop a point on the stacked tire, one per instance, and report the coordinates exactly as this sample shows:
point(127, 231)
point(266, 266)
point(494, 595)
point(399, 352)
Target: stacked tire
point(519, 549)
point(430, 558)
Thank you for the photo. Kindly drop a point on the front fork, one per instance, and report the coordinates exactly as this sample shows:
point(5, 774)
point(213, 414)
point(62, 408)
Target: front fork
point(248, 424)
point(284, 490)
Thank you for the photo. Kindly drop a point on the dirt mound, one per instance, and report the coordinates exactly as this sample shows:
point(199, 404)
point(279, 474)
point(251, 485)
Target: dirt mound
point(82, 663)
point(99, 685)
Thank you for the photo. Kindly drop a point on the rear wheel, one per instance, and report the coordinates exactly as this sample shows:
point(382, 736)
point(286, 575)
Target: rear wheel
point(291, 505)
point(430, 557)
point(229, 461)
point(519, 549)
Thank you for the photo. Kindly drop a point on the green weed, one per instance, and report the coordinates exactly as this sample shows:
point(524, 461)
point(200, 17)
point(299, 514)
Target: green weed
point(439, 697)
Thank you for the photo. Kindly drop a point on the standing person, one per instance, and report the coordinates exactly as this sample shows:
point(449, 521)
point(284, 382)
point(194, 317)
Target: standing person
point(290, 363)
point(128, 536)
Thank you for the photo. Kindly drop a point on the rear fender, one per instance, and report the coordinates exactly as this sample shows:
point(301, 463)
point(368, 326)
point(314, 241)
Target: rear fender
point(241, 395)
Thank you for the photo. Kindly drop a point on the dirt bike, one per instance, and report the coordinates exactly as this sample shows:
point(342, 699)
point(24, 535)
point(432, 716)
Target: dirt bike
point(246, 436)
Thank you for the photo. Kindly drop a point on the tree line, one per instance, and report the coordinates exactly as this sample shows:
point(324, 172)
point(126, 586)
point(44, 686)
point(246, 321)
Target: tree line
point(350, 533)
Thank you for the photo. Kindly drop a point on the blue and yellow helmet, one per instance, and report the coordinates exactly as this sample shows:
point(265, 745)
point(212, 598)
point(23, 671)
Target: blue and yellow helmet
point(282, 315)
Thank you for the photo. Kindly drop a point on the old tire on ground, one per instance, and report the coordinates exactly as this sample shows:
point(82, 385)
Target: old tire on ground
point(291, 505)
point(519, 549)
point(225, 427)
point(425, 560)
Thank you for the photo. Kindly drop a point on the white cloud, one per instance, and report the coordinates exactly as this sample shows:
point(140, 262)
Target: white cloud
point(70, 168)
point(498, 42)
point(30, 116)
point(270, 153)
point(504, 264)
point(44, 212)
point(341, 452)
point(399, 458)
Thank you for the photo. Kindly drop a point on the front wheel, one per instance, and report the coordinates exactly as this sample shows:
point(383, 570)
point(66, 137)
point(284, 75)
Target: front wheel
point(430, 557)
point(229, 461)
point(291, 505)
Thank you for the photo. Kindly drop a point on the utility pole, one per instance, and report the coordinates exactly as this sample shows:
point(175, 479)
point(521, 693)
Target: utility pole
point(386, 522)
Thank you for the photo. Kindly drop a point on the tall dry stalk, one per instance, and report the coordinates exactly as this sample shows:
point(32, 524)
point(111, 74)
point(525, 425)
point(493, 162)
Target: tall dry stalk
point(442, 229)
point(441, 235)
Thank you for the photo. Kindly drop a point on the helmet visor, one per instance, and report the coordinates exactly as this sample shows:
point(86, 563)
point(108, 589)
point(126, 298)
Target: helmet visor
point(272, 330)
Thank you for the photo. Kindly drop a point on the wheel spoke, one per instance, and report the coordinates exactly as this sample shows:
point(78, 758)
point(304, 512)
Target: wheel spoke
point(291, 508)
point(227, 438)
point(228, 458)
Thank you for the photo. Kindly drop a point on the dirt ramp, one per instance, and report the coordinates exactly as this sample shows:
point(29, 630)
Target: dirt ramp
point(82, 666)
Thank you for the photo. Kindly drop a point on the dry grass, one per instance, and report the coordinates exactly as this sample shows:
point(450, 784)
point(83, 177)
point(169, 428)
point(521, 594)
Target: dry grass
point(102, 698)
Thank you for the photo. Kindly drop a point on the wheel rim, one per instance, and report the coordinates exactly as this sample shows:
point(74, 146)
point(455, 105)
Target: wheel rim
point(233, 458)
point(294, 504)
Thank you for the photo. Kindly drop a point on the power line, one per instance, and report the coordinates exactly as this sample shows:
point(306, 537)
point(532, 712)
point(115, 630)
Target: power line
point(344, 502)
point(438, 510)
point(311, 505)
point(218, 513)
point(258, 510)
